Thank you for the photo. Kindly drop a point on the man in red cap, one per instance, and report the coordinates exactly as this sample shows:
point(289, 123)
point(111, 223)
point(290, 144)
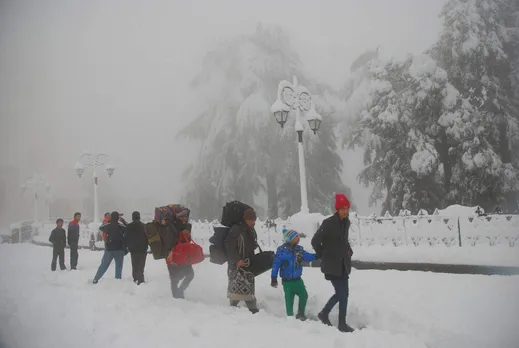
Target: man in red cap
point(331, 245)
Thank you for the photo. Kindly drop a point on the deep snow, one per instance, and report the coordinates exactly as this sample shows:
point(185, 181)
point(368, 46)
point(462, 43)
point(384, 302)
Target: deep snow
point(40, 308)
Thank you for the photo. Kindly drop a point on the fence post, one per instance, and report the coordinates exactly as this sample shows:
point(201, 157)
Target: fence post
point(359, 235)
point(459, 232)
point(405, 231)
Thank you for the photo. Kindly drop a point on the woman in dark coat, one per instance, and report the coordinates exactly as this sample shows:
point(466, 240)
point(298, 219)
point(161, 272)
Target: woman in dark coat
point(240, 245)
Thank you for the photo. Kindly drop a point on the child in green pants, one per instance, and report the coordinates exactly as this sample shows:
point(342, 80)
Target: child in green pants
point(289, 264)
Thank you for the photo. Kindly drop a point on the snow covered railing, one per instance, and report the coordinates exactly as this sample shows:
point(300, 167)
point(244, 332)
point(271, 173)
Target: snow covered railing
point(453, 227)
point(435, 229)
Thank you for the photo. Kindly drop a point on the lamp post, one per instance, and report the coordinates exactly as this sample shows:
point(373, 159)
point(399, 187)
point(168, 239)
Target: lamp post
point(36, 183)
point(295, 97)
point(94, 160)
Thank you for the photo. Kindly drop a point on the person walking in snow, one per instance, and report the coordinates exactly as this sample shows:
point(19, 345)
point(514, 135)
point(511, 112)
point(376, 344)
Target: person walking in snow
point(58, 239)
point(73, 240)
point(289, 264)
point(115, 247)
point(137, 242)
point(240, 245)
point(184, 274)
point(332, 246)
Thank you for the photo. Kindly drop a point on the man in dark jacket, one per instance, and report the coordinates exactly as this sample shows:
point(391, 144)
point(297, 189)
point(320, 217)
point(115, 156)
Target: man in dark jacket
point(331, 245)
point(180, 232)
point(137, 242)
point(73, 239)
point(115, 247)
point(58, 240)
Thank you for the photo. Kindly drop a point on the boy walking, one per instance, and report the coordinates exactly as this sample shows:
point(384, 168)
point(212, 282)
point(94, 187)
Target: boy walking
point(58, 239)
point(289, 264)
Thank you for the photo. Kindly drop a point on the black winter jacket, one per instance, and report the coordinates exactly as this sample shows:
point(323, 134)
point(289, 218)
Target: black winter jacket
point(136, 238)
point(58, 238)
point(115, 236)
point(331, 245)
point(240, 243)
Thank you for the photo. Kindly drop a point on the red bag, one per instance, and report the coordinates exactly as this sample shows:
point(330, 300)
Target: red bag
point(188, 253)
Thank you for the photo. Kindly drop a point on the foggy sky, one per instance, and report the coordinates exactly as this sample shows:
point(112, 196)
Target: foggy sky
point(113, 76)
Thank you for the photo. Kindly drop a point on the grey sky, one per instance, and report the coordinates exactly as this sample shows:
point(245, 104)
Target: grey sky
point(112, 75)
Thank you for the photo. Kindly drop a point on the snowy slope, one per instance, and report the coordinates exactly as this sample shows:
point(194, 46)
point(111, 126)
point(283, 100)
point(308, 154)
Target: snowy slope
point(39, 308)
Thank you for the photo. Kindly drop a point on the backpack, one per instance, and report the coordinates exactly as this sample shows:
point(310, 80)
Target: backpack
point(232, 213)
point(155, 239)
point(217, 253)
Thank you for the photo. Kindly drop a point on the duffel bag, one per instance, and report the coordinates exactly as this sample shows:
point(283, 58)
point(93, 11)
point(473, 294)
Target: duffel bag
point(188, 253)
point(261, 262)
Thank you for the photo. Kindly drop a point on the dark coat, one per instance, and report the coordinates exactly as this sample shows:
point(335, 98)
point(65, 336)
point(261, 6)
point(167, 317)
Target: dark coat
point(240, 243)
point(73, 233)
point(115, 236)
point(331, 245)
point(136, 238)
point(58, 238)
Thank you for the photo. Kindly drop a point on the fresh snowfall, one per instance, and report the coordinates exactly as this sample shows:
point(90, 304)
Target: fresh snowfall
point(40, 308)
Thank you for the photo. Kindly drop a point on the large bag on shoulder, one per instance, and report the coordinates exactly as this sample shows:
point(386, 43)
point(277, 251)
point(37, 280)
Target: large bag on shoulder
point(167, 212)
point(261, 262)
point(155, 240)
point(185, 253)
point(232, 213)
point(217, 252)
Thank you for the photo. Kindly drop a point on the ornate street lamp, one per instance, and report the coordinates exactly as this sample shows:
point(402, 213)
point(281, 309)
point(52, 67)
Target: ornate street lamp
point(292, 96)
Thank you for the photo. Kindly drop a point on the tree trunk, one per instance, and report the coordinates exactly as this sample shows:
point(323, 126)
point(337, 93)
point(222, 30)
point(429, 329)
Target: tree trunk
point(442, 147)
point(272, 194)
point(510, 198)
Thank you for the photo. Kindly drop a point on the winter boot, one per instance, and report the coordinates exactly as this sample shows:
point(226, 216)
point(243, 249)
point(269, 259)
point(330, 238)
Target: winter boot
point(343, 327)
point(323, 317)
point(254, 310)
point(301, 317)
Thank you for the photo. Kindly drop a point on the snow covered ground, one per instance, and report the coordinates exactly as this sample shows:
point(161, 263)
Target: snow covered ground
point(40, 308)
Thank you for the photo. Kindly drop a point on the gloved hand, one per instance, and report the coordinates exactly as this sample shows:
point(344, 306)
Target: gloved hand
point(274, 282)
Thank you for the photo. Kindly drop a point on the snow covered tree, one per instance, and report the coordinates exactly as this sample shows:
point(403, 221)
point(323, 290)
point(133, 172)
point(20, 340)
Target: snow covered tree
point(407, 124)
point(244, 152)
point(478, 48)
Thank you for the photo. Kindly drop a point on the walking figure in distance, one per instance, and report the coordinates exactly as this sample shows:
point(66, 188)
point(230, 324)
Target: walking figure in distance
point(58, 238)
point(73, 240)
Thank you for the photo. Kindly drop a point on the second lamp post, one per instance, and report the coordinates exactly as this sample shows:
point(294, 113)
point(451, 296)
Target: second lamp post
point(292, 96)
point(94, 160)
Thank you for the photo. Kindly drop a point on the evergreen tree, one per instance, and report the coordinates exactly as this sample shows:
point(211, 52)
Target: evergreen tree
point(478, 49)
point(244, 151)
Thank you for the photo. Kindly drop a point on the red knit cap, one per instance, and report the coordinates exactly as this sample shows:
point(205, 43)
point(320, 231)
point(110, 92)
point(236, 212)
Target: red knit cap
point(341, 201)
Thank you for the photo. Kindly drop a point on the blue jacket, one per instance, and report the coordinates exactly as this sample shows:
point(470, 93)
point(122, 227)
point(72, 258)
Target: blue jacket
point(289, 261)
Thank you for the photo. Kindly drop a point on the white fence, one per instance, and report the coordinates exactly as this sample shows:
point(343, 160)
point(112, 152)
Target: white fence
point(489, 230)
point(432, 230)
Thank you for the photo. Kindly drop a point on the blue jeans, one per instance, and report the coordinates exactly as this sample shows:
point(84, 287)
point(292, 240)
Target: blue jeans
point(341, 296)
point(108, 256)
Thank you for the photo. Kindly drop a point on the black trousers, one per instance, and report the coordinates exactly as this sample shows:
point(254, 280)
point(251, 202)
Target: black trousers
point(138, 264)
point(58, 252)
point(73, 256)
